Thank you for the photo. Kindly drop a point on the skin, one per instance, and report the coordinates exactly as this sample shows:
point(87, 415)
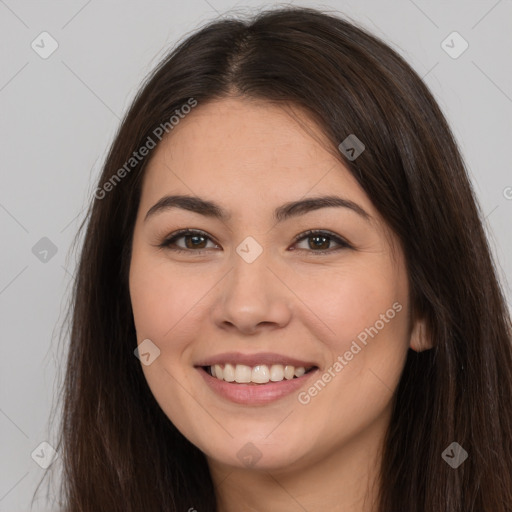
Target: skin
point(251, 157)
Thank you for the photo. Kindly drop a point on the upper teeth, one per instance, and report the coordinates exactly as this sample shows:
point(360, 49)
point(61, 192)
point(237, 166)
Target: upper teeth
point(259, 374)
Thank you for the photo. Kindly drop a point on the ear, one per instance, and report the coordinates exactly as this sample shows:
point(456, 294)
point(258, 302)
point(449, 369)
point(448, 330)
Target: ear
point(420, 337)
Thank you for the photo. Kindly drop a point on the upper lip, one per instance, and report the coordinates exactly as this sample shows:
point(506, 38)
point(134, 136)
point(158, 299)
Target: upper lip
point(268, 358)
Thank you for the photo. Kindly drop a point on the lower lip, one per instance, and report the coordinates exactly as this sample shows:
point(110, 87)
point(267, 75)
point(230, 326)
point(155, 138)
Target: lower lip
point(255, 394)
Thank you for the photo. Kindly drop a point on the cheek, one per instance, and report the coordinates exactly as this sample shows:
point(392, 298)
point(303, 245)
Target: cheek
point(368, 312)
point(366, 309)
point(165, 308)
point(162, 299)
point(351, 302)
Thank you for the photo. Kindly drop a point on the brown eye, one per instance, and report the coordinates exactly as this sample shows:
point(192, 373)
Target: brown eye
point(320, 241)
point(194, 241)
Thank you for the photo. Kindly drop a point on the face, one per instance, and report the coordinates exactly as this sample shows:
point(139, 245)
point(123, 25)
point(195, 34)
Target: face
point(301, 309)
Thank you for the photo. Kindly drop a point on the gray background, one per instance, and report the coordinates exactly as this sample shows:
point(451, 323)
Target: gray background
point(59, 115)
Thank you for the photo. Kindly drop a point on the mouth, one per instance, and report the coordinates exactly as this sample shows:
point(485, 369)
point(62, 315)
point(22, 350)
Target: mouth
point(256, 379)
point(259, 374)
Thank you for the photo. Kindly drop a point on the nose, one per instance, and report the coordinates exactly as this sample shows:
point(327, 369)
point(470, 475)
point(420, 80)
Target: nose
point(251, 298)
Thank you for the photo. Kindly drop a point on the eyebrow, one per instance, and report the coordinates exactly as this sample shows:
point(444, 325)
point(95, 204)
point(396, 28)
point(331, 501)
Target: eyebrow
point(282, 213)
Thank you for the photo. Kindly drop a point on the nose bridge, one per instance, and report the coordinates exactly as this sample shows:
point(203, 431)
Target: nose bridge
point(251, 270)
point(251, 295)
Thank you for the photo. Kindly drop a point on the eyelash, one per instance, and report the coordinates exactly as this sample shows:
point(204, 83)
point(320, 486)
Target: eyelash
point(166, 244)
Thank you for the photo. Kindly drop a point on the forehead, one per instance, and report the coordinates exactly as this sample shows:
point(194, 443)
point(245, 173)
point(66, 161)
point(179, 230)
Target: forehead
point(248, 153)
point(249, 123)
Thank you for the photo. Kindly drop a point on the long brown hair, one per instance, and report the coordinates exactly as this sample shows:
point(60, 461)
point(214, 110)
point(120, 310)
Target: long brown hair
point(119, 450)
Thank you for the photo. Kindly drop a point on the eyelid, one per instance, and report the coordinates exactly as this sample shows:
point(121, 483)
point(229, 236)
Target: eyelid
point(342, 243)
point(181, 233)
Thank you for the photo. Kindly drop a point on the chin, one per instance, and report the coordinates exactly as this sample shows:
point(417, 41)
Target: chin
point(251, 454)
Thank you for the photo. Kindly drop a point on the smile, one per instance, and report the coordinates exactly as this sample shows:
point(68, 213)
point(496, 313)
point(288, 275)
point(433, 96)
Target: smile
point(255, 379)
point(258, 374)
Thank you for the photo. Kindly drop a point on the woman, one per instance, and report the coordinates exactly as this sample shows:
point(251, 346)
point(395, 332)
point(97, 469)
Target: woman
point(285, 298)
